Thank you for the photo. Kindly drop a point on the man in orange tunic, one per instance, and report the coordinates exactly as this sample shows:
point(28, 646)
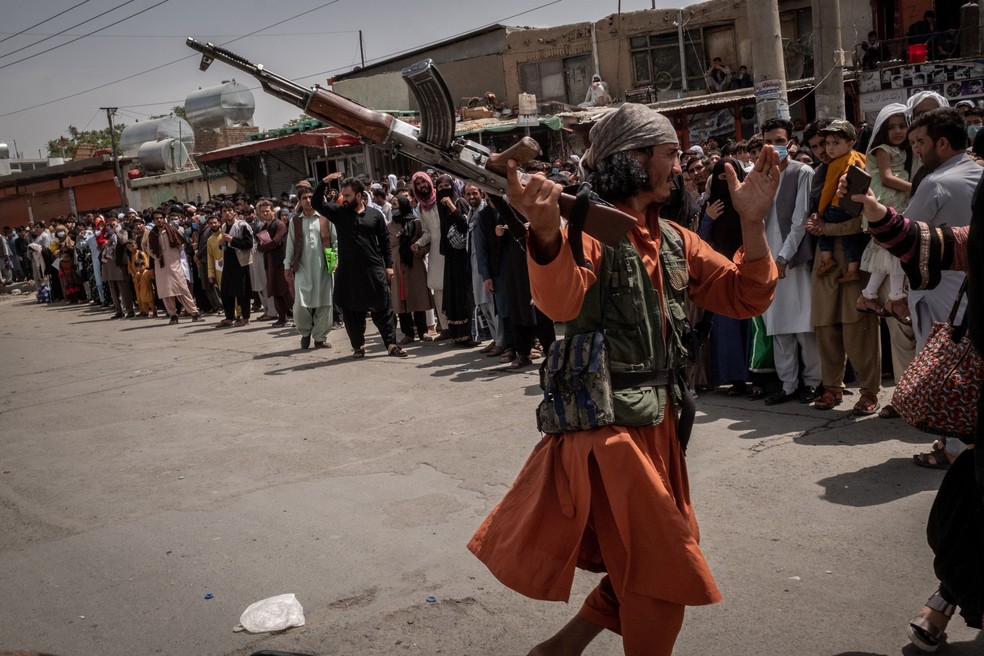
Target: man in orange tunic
point(616, 498)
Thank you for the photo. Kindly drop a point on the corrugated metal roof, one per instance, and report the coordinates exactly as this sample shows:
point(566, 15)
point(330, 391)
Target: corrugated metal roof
point(704, 103)
point(311, 139)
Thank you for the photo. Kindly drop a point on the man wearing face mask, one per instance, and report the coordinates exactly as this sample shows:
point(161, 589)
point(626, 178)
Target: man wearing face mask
point(429, 244)
point(365, 264)
point(113, 260)
point(787, 320)
point(165, 243)
point(237, 255)
point(974, 118)
point(459, 302)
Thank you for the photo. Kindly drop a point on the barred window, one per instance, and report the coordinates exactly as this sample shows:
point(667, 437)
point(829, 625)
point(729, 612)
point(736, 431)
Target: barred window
point(660, 53)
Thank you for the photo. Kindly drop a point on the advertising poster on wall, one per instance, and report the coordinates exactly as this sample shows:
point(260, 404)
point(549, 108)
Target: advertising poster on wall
point(954, 81)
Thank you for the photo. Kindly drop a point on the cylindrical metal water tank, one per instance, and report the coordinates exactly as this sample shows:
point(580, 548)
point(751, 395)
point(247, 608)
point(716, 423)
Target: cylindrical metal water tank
point(162, 155)
point(4, 151)
point(169, 127)
point(229, 103)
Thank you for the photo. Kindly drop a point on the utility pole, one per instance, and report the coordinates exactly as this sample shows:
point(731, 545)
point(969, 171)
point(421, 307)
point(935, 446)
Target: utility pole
point(828, 58)
point(683, 49)
point(120, 183)
point(765, 32)
point(362, 49)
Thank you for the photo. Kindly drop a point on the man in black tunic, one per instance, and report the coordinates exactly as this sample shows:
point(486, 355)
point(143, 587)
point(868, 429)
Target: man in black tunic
point(365, 264)
point(237, 243)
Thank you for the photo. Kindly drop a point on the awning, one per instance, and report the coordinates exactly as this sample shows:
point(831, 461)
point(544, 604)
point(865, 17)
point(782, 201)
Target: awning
point(699, 103)
point(321, 138)
point(496, 125)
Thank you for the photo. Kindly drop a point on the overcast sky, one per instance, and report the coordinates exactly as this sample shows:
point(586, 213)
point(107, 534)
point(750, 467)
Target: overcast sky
point(47, 84)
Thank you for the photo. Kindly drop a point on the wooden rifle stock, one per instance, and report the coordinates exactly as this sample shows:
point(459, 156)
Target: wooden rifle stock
point(349, 116)
point(602, 222)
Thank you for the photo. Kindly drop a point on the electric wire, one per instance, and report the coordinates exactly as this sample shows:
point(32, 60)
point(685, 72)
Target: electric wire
point(155, 68)
point(26, 30)
point(37, 54)
point(399, 53)
point(88, 20)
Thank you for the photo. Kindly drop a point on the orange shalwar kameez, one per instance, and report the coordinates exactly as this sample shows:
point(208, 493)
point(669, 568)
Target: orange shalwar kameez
point(617, 498)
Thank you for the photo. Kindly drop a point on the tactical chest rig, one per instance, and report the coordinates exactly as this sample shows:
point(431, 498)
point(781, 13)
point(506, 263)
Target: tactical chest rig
point(616, 366)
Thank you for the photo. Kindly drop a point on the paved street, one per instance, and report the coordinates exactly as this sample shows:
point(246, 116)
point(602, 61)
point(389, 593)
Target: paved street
point(145, 466)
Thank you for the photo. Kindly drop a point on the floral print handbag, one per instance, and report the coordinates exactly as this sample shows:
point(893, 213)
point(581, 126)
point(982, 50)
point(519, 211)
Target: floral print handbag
point(939, 389)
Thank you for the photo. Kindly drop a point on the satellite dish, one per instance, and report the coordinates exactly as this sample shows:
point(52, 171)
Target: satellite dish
point(663, 81)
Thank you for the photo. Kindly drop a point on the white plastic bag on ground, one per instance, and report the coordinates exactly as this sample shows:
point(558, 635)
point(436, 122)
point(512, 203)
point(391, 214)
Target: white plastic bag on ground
point(273, 614)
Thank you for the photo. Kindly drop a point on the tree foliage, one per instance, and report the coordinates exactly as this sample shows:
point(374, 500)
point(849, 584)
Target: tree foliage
point(177, 110)
point(297, 120)
point(69, 142)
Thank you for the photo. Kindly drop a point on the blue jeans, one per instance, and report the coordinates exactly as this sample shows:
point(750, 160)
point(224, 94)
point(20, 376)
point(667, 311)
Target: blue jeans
point(853, 244)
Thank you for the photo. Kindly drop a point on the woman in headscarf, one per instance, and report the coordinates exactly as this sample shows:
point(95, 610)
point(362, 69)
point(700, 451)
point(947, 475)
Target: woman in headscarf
point(68, 276)
point(729, 339)
point(459, 302)
point(408, 288)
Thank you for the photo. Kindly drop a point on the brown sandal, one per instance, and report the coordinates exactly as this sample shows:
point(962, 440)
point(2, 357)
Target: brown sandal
point(935, 459)
point(871, 306)
point(828, 400)
point(866, 405)
point(899, 310)
point(825, 267)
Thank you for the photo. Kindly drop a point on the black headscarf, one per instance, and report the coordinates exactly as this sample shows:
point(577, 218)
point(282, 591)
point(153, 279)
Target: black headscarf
point(403, 215)
point(725, 235)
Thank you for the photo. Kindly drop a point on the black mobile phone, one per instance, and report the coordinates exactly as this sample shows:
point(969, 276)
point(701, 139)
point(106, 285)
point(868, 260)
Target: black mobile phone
point(858, 182)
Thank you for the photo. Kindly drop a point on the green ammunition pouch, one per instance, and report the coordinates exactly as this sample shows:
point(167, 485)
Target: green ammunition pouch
point(576, 384)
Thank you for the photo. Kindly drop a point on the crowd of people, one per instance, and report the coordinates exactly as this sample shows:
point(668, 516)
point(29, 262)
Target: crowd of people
point(925, 160)
point(427, 254)
point(764, 255)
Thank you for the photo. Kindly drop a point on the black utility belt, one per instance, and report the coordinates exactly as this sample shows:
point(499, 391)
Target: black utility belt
point(629, 379)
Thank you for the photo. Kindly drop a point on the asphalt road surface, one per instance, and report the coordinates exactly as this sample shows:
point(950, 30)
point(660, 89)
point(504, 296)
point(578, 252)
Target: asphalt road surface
point(145, 466)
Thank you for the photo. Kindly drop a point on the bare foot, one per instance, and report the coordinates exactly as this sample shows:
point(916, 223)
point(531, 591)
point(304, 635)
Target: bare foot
point(571, 640)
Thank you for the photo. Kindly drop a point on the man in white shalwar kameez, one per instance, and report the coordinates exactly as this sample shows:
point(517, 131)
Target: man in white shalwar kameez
point(305, 263)
point(788, 319)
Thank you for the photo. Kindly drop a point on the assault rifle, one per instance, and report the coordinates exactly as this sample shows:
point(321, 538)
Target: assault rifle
point(433, 143)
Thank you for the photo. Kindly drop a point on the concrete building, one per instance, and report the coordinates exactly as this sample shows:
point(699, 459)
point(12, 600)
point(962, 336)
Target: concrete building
point(74, 187)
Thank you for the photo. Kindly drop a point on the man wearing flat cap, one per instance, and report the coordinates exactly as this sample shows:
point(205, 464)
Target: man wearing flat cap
point(609, 492)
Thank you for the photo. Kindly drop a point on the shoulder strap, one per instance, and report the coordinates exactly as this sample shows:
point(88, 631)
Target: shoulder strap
point(575, 227)
point(325, 232)
point(956, 307)
point(298, 240)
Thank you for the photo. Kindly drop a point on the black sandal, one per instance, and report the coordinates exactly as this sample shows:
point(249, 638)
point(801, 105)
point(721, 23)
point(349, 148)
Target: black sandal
point(924, 634)
point(359, 352)
point(398, 352)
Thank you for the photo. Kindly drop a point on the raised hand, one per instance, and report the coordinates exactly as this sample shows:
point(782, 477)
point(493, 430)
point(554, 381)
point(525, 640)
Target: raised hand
point(539, 202)
point(753, 197)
